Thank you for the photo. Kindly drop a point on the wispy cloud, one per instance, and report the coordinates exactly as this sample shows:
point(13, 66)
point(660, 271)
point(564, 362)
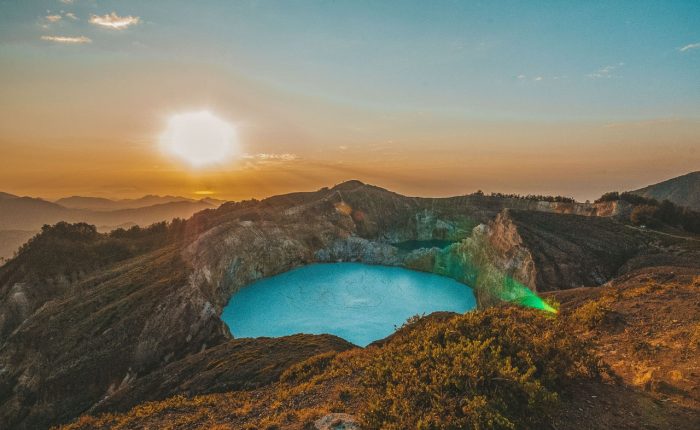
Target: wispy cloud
point(114, 21)
point(605, 72)
point(67, 39)
point(538, 78)
point(689, 47)
point(53, 18)
point(272, 157)
point(67, 1)
point(71, 15)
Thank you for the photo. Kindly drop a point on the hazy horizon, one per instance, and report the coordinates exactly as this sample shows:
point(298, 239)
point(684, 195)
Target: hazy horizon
point(431, 99)
point(199, 195)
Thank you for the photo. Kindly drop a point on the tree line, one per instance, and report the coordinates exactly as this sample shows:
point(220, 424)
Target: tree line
point(534, 197)
point(654, 214)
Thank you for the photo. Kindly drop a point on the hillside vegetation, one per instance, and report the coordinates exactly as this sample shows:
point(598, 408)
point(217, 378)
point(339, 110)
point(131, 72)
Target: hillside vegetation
point(649, 212)
point(71, 250)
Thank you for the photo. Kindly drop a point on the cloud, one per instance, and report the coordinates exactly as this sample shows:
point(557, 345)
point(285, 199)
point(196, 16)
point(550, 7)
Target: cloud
point(690, 47)
point(53, 18)
point(272, 157)
point(67, 1)
point(71, 15)
point(539, 78)
point(605, 72)
point(521, 77)
point(67, 39)
point(114, 21)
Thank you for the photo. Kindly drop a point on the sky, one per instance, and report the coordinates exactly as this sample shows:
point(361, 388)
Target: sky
point(424, 98)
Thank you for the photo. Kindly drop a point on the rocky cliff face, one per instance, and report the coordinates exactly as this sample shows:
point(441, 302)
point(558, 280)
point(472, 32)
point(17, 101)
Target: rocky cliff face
point(100, 337)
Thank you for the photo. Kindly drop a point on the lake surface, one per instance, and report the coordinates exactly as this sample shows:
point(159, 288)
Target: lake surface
point(358, 302)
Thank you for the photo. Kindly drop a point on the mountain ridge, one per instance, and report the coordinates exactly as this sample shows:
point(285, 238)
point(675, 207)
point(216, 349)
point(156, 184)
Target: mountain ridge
point(105, 204)
point(682, 190)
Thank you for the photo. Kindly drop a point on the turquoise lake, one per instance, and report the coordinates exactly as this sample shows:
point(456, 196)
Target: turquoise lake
point(358, 302)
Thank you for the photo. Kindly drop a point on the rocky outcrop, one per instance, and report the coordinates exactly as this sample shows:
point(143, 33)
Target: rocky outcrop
point(502, 240)
point(337, 421)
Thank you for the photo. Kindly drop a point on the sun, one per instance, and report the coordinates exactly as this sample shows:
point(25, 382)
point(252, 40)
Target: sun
point(200, 139)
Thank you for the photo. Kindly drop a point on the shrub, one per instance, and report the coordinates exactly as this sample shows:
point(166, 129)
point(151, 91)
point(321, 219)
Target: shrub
point(496, 368)
point(612, 196)
point(644, 215)
point(307, 369)
point(593, 313)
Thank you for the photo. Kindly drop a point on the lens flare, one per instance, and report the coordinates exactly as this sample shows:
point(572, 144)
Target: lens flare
point(516, 292)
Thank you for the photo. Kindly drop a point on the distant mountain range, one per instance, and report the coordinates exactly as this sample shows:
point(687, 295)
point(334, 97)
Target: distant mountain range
point(102, 204)
point(682, 190)
point(22, 217)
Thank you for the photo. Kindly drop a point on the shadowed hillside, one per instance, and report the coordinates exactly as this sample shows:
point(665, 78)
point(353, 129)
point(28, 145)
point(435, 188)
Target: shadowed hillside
point(22, 217)
point(683, 190)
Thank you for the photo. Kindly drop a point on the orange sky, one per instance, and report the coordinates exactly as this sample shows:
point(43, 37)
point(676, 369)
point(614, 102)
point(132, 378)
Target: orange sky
point(537, 158)
point(85, 119)
point(96, 133)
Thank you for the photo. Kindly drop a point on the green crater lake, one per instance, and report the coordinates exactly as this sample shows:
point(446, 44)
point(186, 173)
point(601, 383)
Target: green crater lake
point(358, 302)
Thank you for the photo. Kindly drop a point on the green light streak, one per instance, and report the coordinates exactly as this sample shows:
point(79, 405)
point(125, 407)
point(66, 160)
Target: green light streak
point(472, 262)
point(518, 293)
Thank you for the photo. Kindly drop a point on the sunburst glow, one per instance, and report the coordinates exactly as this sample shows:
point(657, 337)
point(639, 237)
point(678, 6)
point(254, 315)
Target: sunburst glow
point(200, 139)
